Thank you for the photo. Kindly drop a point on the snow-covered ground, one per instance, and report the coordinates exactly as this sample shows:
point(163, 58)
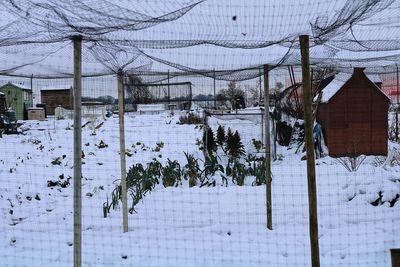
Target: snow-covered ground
point(182, 226)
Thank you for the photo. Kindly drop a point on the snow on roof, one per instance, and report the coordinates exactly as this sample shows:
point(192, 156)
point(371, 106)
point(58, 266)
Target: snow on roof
point(334, 86)
point(2, 93)
point(374, 78)
point(20, 85)
point(337, 83)
point(57, 87)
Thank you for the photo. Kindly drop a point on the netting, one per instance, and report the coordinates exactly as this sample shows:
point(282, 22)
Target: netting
point(195, 127)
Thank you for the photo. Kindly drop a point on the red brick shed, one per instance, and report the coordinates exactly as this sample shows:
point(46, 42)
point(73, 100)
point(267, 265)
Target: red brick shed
point(353, 114)
point(55, 96)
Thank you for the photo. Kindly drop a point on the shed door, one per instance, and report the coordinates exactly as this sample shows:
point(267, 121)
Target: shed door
point(358, 130)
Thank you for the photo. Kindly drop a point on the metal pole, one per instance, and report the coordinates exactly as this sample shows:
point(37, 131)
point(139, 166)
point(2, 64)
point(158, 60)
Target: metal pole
point(122, 150)
point(267, 148)
point(312, 187)
point(77, 41)
point(215, 91)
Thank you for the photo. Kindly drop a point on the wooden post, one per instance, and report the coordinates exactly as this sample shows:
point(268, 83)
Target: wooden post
point(267, 148)
point(77, 41)
point(169, 92)
point(397, 104)
point(121, 116)
point(260, 81)
point(312, 187)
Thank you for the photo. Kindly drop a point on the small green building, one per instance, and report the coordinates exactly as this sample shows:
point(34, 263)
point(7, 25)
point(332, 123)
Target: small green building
point(18, 97)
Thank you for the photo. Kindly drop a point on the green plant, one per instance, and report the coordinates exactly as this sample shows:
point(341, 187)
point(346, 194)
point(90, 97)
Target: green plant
point(191, 171)
point(139, 182)
point(211, 167)
point(259, 172)
point(209, 141)
point(233, 145)
point(257, 144)
point(221, 136)
point(190, 118)
point(171, 174)
point(102, 144)
point(237, 171)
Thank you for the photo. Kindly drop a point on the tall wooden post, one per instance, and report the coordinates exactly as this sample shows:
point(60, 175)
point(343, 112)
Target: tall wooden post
point(397, 104)
point(169, 92)
point(121, 111)
point(260, 81)
point(308, 118)
point(267, 148)
point(77, 42)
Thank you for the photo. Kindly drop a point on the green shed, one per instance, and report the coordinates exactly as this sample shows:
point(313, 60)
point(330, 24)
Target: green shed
point(18, 97)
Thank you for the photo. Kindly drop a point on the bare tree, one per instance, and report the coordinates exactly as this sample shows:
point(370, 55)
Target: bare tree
point(233, 94)
point(138, 93)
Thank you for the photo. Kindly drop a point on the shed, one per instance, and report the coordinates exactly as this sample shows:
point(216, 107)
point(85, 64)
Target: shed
point(54, 96)
point(17, 97)
point(353, 113)
point(3, 105)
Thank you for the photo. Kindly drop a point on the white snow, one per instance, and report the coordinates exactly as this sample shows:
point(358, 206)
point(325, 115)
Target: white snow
point(339, 81)
point(21, 85)
point(57, 87)
point(182, 226)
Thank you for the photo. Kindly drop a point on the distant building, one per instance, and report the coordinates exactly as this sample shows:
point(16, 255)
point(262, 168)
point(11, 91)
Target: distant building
point(353, 113)
point(17, 97)
point(54, 96)
point(3, 105)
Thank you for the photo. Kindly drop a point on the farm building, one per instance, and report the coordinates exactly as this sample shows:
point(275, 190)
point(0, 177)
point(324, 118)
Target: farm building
point(353, 113)
point(18, 98)
point(3, 105)
point(55, 96)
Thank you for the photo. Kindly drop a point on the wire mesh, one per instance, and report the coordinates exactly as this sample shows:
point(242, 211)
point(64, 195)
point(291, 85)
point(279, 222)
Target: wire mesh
point(195, 132)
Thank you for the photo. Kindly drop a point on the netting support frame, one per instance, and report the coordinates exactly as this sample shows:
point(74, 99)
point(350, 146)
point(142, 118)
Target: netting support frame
point(77, 43)
point(268, 179)
point(122, 149)
point(308, 124)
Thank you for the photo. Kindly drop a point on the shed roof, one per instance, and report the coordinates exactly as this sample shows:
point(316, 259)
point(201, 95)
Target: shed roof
point(18, 85)
point(340, 80)
point(57, 87)
point(2, 93)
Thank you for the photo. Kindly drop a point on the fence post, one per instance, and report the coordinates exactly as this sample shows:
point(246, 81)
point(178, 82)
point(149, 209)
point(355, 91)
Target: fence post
point(397, 104)
point(169, 92)
point(121, 117)
point(312, 187)
point(77, 42)
point(267, 149)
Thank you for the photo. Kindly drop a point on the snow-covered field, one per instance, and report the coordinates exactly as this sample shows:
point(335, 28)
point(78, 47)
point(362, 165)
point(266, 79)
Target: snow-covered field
point(182, 226)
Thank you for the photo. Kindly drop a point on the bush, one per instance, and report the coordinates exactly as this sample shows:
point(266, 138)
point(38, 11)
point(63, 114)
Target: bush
point(221, 136)
point(209, 141)
point(171, 174)
point(284, 133)
point(233, 144)
point(191, 171)
point(191, 118)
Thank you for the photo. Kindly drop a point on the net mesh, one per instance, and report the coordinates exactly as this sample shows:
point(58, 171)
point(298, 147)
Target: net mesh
point(195, 132)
